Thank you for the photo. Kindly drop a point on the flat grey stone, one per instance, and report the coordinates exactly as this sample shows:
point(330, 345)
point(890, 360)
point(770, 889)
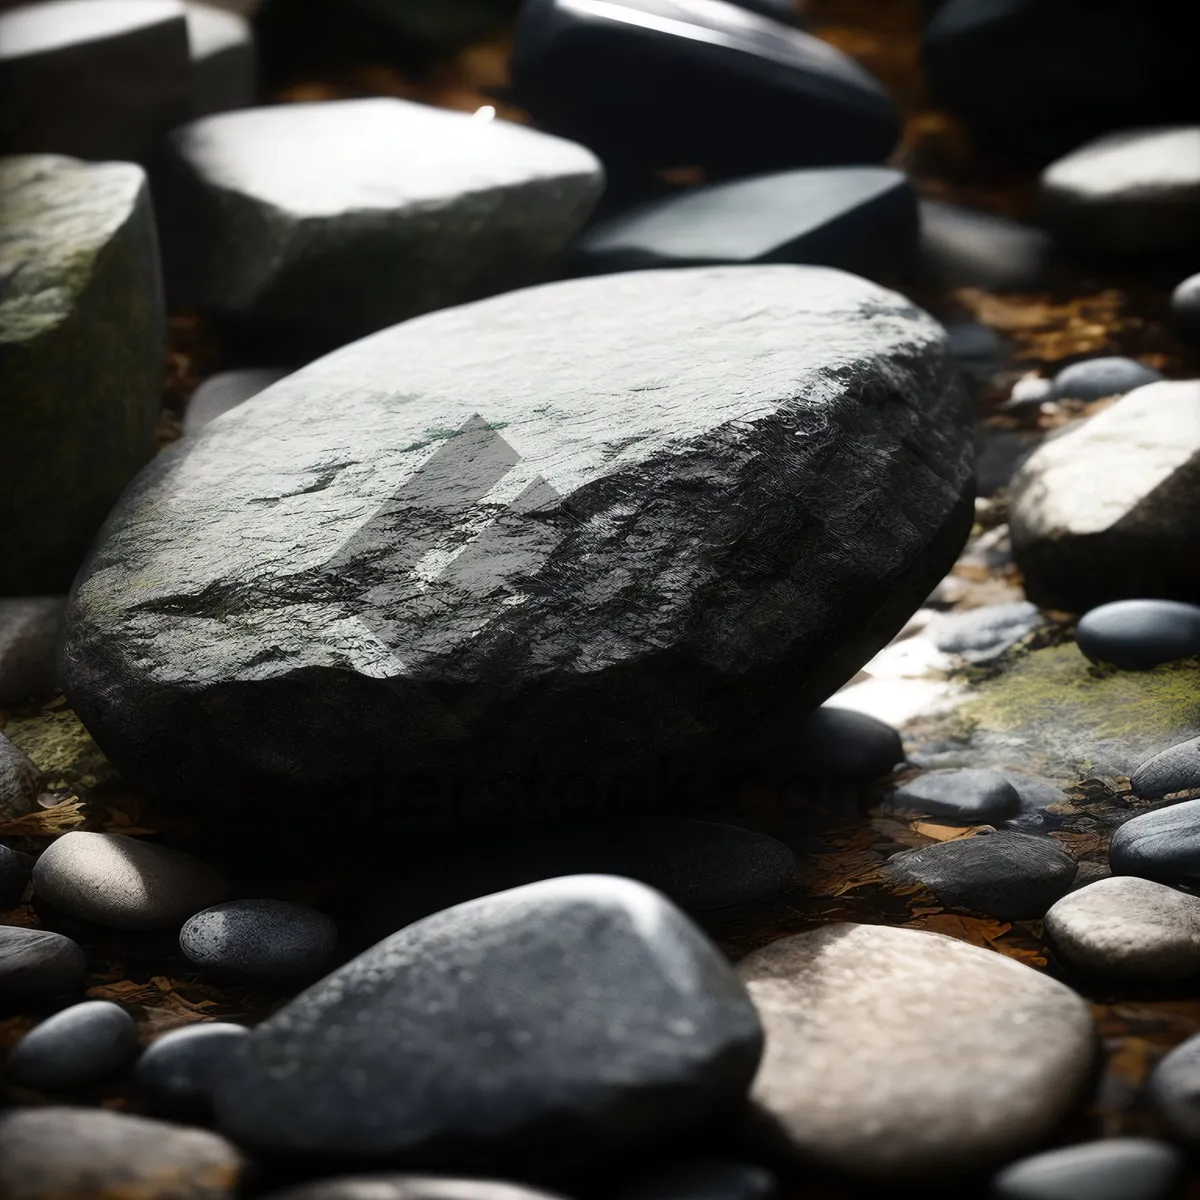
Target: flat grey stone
point(177, 1071)
point(982, 634)
point(220, 393)
point(1079, 543)
point(1013, 876)
point(271, 940)
point(30, 635)
point(15, 869)
point(1128, 928)
point(1098, 378)
point(91, 1152)
point(587, 1006)
point(21, 783)
point(964, 247)
point(334, 219)
point(703, 1179)
point(973, 796)
point(1176, 769)
point(74, 1048)
point(35, 962)
point(1163, 845)
point(1122, 1168)
point(1136, 635)
point(81, 344)
point(893, 1053)
point(224, 64)
point(396, 546)
point(1133, 192)
point(97, 79)
point(1185, 308)
point(861, 219)
point(410, 1187)
point(124, 883)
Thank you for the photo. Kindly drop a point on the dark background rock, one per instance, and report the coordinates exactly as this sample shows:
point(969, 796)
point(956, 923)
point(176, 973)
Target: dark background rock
point(1185, 307)
point(93, 79)
point(81, 356)
point(30, 634)
point(14, 875)
point(177, 1071)
point(637, 593)
point(20, 781)
point(703, 1179)
point(35, 962)
point(1174, 1090)
point(1122, 1168)
point(224, 62)
point(833, 744)
point(964, 247)
point(79, 1046)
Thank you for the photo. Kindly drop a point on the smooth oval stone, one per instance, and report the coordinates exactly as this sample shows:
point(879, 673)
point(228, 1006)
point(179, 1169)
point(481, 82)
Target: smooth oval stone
point(35, 962)
point(410, 1187)
point(977, 797)
point(1176, 769)
point(836, 743)
point(220, 393)
point(861, 219)
point(1129, 928)
point(964, 247)
point(1098, 378)
point(1185, 307)
point(1114, 1169)
point(124, 883)
point(100, 79)
point(177, 1072)
point(1132, 192)
point(1174, 1090)
point(671, 82)
point(87, 1153)
point(894, 1053)
point(76, 1047)
point(1013, 876)
point(21, 783)
point(1136, 635)
point(30, 636)
point(577, 1020)
point(1163, 845)
point(707, 1179)
point(260, 939)
point(479, 573)
point(15, 869)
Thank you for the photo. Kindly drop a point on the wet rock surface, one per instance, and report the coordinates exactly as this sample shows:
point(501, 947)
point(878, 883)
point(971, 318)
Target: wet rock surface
point(583, 511)
point(15, 869)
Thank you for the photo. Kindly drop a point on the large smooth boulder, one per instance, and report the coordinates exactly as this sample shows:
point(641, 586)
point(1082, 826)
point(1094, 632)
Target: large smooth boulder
point(1108, 510)
point(334, 219)
point(587, 529)
point(81, 356)
point(565, 1023)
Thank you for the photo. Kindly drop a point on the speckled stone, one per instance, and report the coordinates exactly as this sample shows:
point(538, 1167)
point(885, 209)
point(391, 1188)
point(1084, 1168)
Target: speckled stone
point(35, 962)
point(124, 883)
point(1128, 928)
point(21, 783)
point(1123, 1168)
point(971, 796)
point(260, 939)
point(74, 1048)
point(1163, 845)
point(30, 636)
point(894, 1053)
point(1136, 635)
point(89, 1153)
point(176, 1073)
point(1098, 378)
point(1176, 769)
point(1174, 1090)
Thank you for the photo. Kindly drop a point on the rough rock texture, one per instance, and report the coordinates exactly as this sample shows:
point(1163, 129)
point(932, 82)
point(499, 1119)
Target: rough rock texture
point(21, 783)
point(1012, 876)
point(1174, 1089)
point(1129, 928)
point(1107, 510)
point(861, 219)
point(338, 218)
point(895, 1053)
point(260, 939)
point(410, 1187)
point(1176, 769)
point(964, 247)
point(586, 1008)
point(224, 391)
point(965, 795)
point(93, 1154)
point(1136, 635)
point(1122, 1168)
point(1135, 192)
point(1162, 845)
point(176, 1073)
point(100, 79)
point(124, 883)
point(664, 82)
point(223, 60)
point(30, 635)
point(34, 962)
point(79, 1046)
point(1098, 378)
point(81, 344)
point(453, 548)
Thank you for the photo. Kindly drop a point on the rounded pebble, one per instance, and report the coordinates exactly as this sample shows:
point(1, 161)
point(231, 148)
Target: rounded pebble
point(1174, 1090)
point(20, 781)
point(35, 962)
point(1163, 845)
point(1030, 391)
point(1185, 307)
point(1176, 769)
point(177, 1072)
point(836, 744)
point(1115, 1169)
point(410, 1187)
point(975, 797)
point(260, 939)
point(76, 1047)
point(1136, 635)
point(1098, 378)
point(124, 883)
